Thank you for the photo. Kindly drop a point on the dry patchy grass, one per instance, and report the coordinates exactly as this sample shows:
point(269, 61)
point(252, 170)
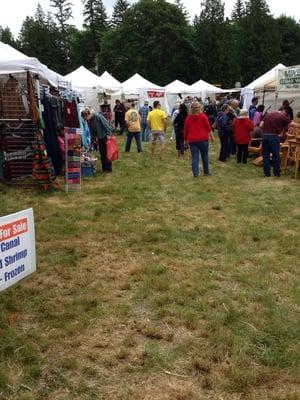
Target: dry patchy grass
point(152, 285)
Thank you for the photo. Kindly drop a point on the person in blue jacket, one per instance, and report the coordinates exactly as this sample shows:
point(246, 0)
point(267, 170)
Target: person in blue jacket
point(224, 125)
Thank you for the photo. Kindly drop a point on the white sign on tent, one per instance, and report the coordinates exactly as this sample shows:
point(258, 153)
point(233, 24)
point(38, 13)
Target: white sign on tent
point(288, 79)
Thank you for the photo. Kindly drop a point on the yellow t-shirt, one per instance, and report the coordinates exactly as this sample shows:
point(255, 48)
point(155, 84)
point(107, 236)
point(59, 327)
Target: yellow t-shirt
point(156, 118)
point(132, 119)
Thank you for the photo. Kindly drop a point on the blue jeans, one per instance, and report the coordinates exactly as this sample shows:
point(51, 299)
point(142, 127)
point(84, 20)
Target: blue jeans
point(145, 132)
point(198, 148)
point(271, 145)
point(130, 136)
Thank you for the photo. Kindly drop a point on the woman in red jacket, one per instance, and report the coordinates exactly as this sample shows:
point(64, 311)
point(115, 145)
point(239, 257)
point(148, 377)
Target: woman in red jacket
point(197, 131)
point(242, 128)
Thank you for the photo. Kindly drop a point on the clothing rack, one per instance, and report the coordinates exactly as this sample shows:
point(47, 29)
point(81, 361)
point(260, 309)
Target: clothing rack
point(17, 134)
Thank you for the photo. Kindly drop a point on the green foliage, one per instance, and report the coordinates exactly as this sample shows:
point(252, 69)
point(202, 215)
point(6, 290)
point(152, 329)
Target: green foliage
point(260, 50)
point(238, 11)
point(120, 8)
point(63, 12)
point(48, 50)
point(6, 36)
point(213, 39)
point(95, 23)
point(154, 39)
point(289, 39)
point(95, 16)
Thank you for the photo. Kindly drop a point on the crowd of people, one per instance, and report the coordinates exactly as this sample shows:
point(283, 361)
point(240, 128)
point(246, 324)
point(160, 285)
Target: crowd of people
point(194, 123)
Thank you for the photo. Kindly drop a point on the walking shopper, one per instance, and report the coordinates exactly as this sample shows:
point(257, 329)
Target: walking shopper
point(174, 114)
point(133, 121)
point(157, 122)
point(144, 111)
point(119, 111)
point(253, 107)
point(274, 125)
point(100, 129)
point(224, 125)
point(290, 111)
point(197, 131)
point(242, 127)
point(178, 123)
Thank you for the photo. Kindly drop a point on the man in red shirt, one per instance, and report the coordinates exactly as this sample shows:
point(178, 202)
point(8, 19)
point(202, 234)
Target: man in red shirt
point(274, 125)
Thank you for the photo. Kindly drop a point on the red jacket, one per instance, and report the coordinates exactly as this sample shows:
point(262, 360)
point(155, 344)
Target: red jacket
point(242, 128)
point(196, 128)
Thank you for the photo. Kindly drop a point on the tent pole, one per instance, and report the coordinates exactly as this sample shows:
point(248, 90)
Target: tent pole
point(264, 94)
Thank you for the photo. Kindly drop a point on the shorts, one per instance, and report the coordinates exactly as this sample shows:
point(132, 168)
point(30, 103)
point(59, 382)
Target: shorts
point(158, 135)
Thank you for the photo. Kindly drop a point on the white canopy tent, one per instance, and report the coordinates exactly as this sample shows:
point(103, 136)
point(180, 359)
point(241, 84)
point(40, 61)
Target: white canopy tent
point(265, 83)
point(145, 90)
point(178, 87)
point(109, 83)
point(88, 84)
point(83, 79)
point(13, 61)
point(175, 92)
point(205, 89)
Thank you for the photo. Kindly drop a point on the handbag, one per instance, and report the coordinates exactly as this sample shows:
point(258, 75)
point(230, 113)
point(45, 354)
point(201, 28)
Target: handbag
point(112, 149)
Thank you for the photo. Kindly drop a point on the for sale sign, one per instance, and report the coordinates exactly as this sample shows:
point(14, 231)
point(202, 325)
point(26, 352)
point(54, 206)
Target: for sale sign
point(17, 248)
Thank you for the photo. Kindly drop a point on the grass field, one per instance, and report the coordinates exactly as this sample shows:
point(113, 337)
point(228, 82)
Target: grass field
point(152, 285)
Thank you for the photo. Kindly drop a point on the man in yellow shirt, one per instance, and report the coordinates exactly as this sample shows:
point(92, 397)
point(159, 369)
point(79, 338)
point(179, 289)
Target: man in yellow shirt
point(133, 121)
point(157, 121)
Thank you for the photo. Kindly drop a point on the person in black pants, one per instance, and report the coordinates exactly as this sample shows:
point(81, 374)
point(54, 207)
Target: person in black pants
point(100, 129)
point(242, 127)
point(178, 123)
point(225, 130)
point(119, 111)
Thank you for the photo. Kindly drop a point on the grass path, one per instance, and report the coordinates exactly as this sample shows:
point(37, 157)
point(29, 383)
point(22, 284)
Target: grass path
point(154, 285)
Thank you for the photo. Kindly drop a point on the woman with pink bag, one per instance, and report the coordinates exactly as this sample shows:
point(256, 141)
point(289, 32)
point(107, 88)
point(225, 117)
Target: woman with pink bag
point(100, 130)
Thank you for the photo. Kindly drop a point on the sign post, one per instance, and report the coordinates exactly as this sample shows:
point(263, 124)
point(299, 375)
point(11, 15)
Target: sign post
point(17, 248)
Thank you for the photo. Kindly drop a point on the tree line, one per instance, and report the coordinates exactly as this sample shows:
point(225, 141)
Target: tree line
point(159, 40)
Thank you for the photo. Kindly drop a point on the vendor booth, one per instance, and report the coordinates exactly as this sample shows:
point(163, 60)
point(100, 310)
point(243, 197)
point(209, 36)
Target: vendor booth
point(263, 87)
point(177, 91)
point(88, 84)
point(144, 90)
point(205, 89)
point(35, 108)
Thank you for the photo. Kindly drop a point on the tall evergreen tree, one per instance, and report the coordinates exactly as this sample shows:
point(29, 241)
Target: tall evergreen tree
point(63, 12)
point(213, 43)
point(120, 8)
point(289, 32)
point(238, 11)
point(259, 34)
point(95, 16)
point(47, 50)
point(6, 36)
point(183, 9)
point(96, 23)
point(154, 39)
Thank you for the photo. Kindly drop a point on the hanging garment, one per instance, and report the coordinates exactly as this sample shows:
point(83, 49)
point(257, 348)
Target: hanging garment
point(50, 117)
point(41, 163)
point(71, 114)
point(11, 104)
point(34, 111)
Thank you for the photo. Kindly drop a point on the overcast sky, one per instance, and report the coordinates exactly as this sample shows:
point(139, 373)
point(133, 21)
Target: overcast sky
point(13, 12)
